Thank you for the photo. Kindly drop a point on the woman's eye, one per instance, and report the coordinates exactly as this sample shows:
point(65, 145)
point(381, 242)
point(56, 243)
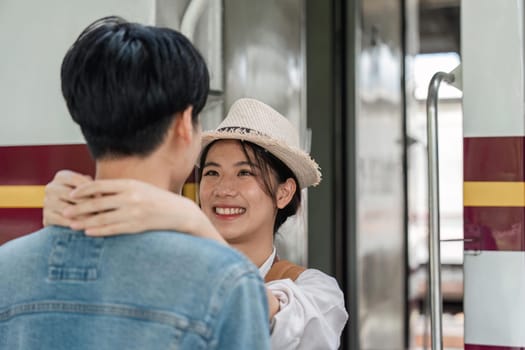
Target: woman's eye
point(245, 173)
point(210, 173)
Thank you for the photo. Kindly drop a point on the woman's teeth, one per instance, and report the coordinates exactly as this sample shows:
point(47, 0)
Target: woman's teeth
point(229, 211)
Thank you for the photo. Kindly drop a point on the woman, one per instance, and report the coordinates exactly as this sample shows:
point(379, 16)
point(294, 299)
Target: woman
point(252, 172)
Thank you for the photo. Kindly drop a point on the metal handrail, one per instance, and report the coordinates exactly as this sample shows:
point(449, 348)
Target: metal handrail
point(436, 299)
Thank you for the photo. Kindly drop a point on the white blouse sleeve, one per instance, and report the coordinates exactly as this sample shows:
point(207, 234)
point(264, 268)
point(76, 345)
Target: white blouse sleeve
point(312, 312)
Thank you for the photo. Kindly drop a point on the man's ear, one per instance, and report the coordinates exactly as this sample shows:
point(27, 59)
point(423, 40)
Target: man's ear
point(183, 126)
point(285, 192)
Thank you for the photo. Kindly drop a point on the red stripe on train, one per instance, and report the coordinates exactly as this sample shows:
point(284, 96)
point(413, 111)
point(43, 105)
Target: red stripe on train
point(18, 222)
point(493, 158)
point(494, 228)
point(491, 347)
point(36, 165)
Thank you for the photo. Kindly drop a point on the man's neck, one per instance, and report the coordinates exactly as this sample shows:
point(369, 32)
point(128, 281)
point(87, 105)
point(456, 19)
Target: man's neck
point(150, 170)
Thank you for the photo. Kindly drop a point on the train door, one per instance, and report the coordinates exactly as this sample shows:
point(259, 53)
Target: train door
point(355, 109)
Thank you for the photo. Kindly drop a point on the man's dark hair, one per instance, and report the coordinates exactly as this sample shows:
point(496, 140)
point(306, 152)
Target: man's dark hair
point(124, 82)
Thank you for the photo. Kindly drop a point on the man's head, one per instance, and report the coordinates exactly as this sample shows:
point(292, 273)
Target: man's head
point(125, 83)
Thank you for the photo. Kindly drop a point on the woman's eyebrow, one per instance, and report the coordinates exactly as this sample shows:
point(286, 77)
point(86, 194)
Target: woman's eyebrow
point(210, 164)
point(246, 163)
point(238, 164)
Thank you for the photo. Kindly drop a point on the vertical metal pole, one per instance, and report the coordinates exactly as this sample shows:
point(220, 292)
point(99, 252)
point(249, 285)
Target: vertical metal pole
point(433, 210)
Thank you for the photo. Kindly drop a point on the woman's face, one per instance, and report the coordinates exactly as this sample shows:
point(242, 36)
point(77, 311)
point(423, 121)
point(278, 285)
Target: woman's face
point(232, 194)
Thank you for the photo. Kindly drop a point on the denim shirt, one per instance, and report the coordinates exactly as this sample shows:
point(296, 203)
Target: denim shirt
point(60, 289)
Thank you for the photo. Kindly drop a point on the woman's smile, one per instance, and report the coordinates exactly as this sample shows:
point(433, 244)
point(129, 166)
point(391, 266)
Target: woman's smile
point(229, 211)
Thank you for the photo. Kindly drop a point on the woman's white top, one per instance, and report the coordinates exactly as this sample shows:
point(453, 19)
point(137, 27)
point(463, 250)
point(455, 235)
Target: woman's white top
point(312, 310)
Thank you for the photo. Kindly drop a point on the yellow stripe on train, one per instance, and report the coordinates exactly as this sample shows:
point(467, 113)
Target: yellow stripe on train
point(493, 194)
point(21, 196)
point(191, 190)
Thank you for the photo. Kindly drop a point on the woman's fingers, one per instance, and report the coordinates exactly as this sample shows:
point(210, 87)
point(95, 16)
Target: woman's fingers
point(97, 220)
point(54, 204)
point(107, 223)
point(56, 191)
point(110, 207)
point(70, 178)
point(102, 187)
point(93, 206)
point(55, 218)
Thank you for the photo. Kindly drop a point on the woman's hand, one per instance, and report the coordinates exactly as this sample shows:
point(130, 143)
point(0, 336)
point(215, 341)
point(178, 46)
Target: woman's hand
point(273, 303)
point(112, 207)
point(57, 196)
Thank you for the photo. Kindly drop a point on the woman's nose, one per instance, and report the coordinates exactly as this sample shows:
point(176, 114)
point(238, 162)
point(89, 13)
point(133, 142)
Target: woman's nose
point(226, 187)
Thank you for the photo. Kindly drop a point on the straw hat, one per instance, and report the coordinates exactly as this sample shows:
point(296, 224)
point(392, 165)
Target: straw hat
point(253, 121)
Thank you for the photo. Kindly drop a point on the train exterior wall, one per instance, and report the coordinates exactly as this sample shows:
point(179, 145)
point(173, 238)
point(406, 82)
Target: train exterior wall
point(494, 187)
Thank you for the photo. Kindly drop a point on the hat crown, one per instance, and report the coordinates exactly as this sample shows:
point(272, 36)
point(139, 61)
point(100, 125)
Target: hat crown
point(251, 116)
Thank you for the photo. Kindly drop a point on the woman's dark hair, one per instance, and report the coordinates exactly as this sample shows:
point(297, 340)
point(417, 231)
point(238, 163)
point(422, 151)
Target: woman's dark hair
point(124, 83)
point(268, 165)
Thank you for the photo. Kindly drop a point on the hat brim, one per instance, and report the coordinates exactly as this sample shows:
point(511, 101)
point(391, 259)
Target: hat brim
point(306, 170)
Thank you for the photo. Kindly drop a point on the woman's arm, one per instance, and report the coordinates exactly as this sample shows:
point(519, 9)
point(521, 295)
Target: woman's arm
point(312, 312)
point(112, 207)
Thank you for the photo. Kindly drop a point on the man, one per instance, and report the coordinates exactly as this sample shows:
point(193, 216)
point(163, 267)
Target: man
point(136, 92)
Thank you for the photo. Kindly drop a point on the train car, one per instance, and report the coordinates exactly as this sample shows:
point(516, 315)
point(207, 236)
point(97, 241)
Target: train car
point(343, 72)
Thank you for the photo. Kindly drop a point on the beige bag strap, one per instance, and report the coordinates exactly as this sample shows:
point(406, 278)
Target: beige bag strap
point(283, 269)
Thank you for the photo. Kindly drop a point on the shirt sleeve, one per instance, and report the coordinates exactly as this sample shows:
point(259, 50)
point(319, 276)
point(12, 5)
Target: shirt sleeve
point(312, 313)
point(243, 322)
